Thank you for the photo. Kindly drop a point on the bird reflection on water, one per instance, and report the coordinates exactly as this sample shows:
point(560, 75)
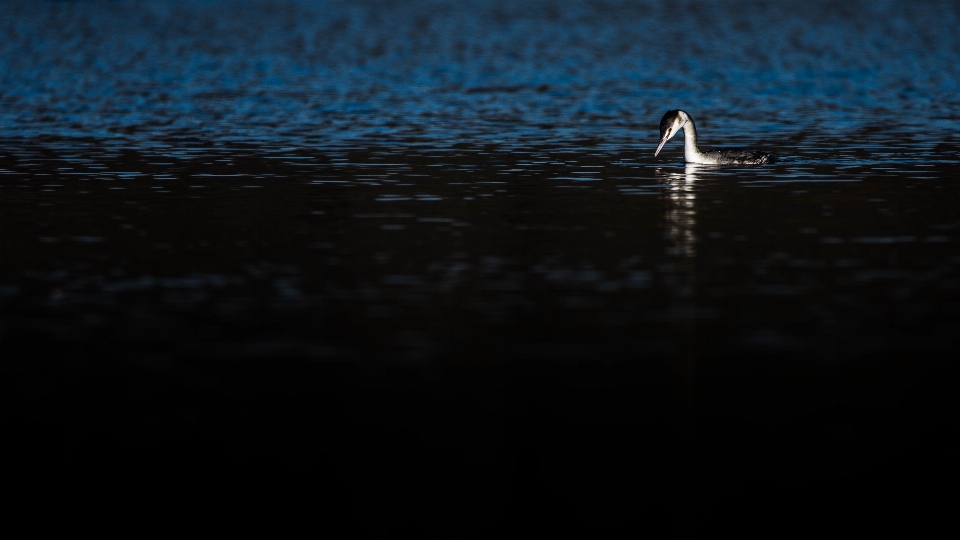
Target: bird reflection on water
point(681, 215)
point(679, 225)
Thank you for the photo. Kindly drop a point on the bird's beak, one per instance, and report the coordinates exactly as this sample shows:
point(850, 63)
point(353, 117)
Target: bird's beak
point(663, 141)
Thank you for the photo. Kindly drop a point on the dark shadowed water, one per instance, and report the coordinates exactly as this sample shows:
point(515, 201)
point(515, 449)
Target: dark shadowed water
point(413, 266)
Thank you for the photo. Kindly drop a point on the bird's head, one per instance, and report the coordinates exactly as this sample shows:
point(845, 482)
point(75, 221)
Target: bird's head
point(670, 124)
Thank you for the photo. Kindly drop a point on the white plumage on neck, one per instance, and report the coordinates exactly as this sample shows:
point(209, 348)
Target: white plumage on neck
point(691, 152)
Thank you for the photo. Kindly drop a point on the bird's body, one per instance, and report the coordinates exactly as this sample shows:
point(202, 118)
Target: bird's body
point(675, 120)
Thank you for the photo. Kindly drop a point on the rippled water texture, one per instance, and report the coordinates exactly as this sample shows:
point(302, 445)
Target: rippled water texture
point(454, 206)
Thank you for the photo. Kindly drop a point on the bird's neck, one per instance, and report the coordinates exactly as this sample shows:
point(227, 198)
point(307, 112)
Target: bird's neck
point(691, 152)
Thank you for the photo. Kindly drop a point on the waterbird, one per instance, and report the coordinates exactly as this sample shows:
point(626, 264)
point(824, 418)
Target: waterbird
point(675, 120)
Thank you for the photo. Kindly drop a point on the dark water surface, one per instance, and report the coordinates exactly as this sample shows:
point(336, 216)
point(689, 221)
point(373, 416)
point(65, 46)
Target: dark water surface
point(412, 266)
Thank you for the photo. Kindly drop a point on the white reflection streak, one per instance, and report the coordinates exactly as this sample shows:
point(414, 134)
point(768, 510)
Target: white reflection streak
point(680, 219)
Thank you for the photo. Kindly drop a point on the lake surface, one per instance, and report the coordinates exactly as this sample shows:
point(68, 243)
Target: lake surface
point(414, 266)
